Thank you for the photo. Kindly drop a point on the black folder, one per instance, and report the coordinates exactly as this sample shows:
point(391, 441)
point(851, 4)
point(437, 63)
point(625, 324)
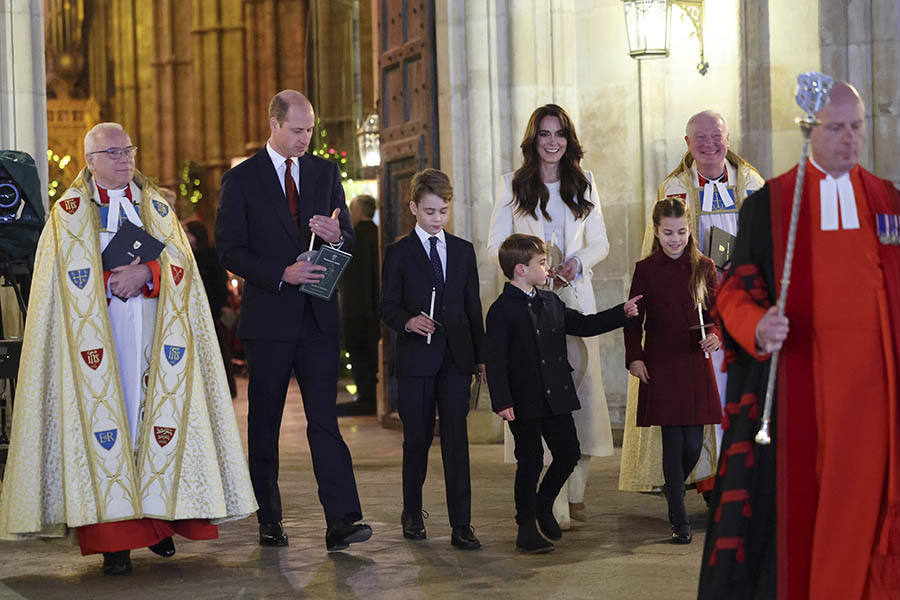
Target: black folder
point(129, 242)
point(721, 244)
point(335, 262)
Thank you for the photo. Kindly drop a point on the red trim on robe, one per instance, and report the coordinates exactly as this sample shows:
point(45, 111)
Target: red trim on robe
point(737, 449)
point(140, 533)
point(152, 292)
point(729, 543)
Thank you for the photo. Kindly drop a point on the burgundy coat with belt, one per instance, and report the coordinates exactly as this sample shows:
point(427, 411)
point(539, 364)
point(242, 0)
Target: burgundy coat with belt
point(682, 388)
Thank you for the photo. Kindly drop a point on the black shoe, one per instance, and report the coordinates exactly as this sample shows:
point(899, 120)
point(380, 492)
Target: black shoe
point(354, 409)
point(272, 534)
point(681, 534)
point(164, 548)
point(117, 563)
point(413, 527)
point(547, 522)
point(530, 541)
point(463, 537)
point(341, 534)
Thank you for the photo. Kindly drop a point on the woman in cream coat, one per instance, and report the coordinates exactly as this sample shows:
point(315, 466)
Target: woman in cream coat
point(576, 238)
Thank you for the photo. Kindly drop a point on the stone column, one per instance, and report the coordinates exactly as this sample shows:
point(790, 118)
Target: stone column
point(23, 88)
point(755, 86)
point(543, 66)
point(860, 43)
point(174, 102)
point(219, 83)
point(476, 136)
point(276, 44)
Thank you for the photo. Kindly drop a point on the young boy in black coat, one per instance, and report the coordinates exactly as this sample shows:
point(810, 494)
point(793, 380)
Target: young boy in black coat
point(531, 382)
point(429, 296)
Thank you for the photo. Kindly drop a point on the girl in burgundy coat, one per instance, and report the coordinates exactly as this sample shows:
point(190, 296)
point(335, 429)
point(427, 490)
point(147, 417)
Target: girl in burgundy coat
point(678, 386)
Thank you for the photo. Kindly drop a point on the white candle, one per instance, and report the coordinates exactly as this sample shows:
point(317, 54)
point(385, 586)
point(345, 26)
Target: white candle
point(312, 237)
point(702, 328)
point(431, 313)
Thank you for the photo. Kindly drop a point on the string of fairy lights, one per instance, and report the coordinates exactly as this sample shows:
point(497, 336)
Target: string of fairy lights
point(60, 162)
point(323, 150)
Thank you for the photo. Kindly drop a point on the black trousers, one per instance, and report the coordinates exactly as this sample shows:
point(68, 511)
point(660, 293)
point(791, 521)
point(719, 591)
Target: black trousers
point(681, 451)
point(313, 359)
point(361, 341)
point(448, 391)
point(559, 433)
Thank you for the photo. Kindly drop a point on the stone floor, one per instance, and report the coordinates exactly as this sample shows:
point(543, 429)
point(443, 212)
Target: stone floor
point(621, 552)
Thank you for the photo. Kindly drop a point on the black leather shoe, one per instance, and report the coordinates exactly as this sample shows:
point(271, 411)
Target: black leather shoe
point(164, 548)
point(681, 534)
point(547, 522)
point(413, 527)
point(272, 534)
point(530, 541)
point(117, 563)
point(463, 537)
point(341, 534)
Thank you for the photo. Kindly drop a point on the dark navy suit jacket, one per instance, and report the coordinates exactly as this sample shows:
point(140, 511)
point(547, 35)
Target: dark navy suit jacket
point(407, 279)
point(256, 239)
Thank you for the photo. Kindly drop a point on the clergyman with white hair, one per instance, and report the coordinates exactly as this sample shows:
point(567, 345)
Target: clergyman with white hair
point(123, 429)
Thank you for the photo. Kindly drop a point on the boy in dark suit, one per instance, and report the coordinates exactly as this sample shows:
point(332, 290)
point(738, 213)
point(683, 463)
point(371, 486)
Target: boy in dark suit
point(531, 382)
point(430, 297)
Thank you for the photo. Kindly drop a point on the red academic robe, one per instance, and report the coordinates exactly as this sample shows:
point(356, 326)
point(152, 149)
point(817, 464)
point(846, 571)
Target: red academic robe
point(817, 512)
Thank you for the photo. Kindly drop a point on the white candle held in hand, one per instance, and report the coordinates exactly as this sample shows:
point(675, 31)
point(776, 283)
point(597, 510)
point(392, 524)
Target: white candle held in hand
point(702, 327)
point(312, 237)
point(431, 313)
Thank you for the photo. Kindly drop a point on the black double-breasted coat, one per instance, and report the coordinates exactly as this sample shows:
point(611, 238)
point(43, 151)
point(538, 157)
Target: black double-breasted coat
point(526, 360)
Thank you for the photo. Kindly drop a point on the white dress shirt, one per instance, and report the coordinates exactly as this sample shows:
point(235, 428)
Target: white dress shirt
point(278, 161)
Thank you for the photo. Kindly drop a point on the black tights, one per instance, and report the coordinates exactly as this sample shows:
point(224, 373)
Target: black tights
point(681, 451)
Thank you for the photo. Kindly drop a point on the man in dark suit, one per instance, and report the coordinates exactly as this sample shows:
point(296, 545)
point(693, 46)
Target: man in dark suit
point(434, 272)
point(359, 307)
point(269, 207)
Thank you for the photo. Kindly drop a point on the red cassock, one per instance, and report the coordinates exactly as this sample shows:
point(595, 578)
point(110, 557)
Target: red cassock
point(140, 533)
point(816, 515)
point(682, 388)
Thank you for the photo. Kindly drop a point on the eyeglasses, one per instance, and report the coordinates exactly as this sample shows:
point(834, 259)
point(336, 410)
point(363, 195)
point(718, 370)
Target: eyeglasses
point(117, 153)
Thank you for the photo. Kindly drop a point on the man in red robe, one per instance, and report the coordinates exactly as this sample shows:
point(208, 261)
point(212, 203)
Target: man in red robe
point(817, 513)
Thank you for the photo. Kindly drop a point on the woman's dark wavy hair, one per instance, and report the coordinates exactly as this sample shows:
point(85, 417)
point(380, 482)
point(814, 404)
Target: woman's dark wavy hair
point(529, 191)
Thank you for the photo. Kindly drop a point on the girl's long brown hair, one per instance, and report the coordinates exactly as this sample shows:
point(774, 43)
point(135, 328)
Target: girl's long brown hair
point(529, 191)
point(677, 208)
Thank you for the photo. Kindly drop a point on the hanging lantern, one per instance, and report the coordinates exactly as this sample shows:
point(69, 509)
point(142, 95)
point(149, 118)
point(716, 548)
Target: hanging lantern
point(369, 140)
point(648, 24)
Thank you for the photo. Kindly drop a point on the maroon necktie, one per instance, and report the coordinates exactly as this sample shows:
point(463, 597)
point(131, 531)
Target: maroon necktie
point(293, 197)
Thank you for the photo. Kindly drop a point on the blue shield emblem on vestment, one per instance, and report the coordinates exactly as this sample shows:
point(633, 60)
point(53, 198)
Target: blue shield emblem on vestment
point(107, 438)
point(161, 207)
point(173, 353)
point(79, 277)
